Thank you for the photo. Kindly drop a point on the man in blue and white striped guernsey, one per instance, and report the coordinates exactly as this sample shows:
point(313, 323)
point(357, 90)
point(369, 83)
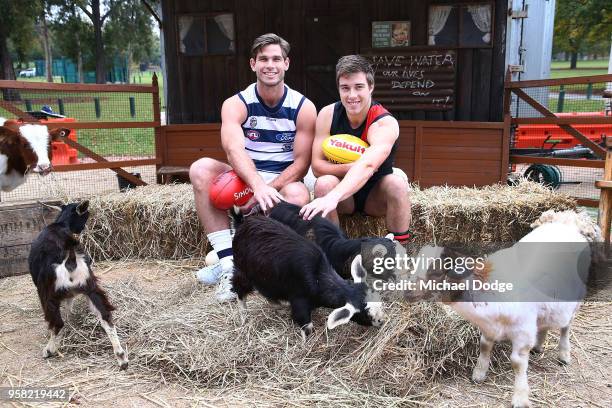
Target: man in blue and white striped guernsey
point(267, 132)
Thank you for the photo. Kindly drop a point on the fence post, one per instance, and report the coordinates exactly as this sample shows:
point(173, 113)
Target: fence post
point(132, 106)
point(159, 148)
point(561, 98)
point(589, 91)
point(605, 196)
point(60, 103)
point(97, 107)
point(28, 104)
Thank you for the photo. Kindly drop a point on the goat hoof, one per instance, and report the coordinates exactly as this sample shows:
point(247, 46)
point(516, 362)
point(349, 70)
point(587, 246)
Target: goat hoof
point(48, 353)
point(479, 377)
point(564, 361)
point(307, 330)
point(520, 402)
point(536, 350)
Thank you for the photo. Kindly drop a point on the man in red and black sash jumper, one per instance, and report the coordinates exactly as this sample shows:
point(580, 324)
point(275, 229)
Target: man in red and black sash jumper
point(367, 185)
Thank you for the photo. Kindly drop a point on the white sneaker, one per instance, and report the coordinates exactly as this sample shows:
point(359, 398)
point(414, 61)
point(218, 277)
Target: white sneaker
point(209, 275)
point(224, 290)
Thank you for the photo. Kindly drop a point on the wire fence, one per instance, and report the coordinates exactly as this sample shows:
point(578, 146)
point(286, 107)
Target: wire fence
point(116, 122)
point(559, 129)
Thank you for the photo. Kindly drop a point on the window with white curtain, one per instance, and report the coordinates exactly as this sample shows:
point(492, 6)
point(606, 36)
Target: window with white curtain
point(206, 34)
point(460, 25)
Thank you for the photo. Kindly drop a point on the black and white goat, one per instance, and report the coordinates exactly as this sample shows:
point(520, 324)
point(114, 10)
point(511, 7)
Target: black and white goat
point(284, 266)
point(61, 270)
point(551, 267)
point(340, 250)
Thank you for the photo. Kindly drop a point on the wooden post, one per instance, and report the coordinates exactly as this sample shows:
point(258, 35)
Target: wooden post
point(605, 196)
point(159, 150)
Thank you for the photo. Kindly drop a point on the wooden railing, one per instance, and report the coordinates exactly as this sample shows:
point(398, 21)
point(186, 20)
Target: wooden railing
point(100, 161)
point(563, 122)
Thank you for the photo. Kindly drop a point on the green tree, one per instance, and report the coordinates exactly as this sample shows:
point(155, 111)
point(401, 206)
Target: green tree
point(581, 25)
point(74, 37)
point(17, 21)
point(134, 44)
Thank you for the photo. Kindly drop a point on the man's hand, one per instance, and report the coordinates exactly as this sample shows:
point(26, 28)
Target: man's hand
point(267, 196)
point(323, 205)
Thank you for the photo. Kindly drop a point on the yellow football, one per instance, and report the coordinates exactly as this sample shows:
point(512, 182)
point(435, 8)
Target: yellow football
point(343, 148)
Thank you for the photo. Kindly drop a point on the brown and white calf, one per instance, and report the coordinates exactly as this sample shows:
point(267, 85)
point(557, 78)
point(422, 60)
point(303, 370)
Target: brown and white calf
point(61, 270)
point(25, 148)
point(550, 271)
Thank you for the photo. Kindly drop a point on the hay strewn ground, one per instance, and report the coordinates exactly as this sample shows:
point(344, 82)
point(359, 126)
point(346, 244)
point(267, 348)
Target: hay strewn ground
point(185, 349)
point(158, 222)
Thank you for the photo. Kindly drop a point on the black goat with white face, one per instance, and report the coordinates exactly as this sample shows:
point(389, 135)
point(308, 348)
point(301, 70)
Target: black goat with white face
point(61, 270)
point(340, 250)
point(282, 265)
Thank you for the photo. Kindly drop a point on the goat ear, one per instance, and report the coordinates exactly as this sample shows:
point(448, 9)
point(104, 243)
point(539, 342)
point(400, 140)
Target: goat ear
point(358, 272)
point(390, 237)
point(340, 316)
point(82, 208)
point(53, 207)
point(58, 134)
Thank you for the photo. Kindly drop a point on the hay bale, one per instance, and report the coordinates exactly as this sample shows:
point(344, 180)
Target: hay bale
point(150, 222)
point(159, 221)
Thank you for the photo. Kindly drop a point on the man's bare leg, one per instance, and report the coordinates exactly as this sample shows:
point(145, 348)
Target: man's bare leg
point(390, 198)
point(324, 185)
point(201, 174)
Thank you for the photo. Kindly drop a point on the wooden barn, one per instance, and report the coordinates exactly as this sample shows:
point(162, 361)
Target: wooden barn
point(439, 65)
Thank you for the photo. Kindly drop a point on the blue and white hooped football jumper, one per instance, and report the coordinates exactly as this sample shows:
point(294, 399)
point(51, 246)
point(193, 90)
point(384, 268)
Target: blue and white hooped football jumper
point(269, 132)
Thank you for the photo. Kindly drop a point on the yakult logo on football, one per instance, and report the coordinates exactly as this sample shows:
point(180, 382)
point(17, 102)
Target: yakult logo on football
point(348, 146)
point(240, 194)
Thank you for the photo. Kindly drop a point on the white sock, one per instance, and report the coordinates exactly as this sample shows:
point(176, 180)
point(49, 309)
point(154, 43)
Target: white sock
point(221, 242)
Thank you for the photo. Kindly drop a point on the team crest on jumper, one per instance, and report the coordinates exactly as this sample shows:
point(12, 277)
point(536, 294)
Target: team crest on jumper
point(253, 122)
point(287, 147)
point(252, 134)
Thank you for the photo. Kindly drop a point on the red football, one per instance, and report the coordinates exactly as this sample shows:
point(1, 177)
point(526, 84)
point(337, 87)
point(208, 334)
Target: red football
point(227, 189)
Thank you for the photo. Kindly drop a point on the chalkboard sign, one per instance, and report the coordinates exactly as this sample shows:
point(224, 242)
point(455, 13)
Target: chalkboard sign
point(422, 80)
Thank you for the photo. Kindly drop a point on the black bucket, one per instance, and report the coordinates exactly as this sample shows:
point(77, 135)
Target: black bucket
point(125, 184)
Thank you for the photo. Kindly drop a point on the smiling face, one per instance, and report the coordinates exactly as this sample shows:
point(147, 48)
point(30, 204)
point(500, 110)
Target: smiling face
point(355, 93)
point(270, 65)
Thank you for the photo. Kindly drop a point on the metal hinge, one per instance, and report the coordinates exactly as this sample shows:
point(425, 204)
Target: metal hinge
point(519, 13)
point(516, 68)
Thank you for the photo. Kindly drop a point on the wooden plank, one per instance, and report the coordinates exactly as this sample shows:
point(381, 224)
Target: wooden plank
point(598, 150)
point(128, 176)
point(46, 86)
point(460, 166)
point(587, 202)
point(19, 226)
point(504, 165)
point(565, 120)
point(418, 153)
point(595, 164)
point(102, 125)
point(560, 81)
point(603, 184)
point(16, 111)
point(159, 154)
point(106, 165)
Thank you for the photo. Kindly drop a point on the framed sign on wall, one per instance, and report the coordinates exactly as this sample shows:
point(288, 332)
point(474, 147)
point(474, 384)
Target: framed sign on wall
point(390, 34)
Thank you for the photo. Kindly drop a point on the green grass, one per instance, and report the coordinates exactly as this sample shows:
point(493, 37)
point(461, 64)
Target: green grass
point(600, 63)
point(560, 69)
point(579, 105)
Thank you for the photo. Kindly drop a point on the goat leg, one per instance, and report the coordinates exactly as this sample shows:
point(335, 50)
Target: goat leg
point(520, 361)
point(300, 312)
point(99, 305)
point(540, 340)
point(484, 359)
point(53, 316)
point(564, 346)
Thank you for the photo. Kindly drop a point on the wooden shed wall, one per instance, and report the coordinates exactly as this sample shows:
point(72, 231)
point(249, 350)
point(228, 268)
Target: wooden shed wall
point(319, 31)
point(430, 152)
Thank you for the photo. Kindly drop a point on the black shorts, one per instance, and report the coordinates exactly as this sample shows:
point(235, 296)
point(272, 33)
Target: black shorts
point(362, 194)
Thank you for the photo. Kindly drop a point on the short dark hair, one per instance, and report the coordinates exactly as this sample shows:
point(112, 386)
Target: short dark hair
point(269, 39)
point(353, 64)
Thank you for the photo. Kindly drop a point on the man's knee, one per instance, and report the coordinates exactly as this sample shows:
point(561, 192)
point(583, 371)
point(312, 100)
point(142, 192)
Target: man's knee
point(296, 193)
point(395, 188)
point(202, 171)
point(325, 184)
